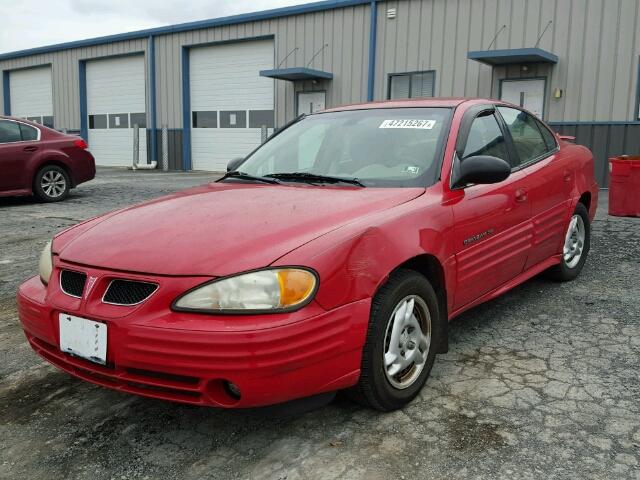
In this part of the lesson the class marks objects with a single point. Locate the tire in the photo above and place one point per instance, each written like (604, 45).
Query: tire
(571, 265)
(51, 184)
(377, 388)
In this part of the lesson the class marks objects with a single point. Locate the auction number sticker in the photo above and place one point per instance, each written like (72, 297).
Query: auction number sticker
(423, 124)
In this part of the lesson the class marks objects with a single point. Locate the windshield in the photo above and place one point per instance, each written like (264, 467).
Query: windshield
(391, 147)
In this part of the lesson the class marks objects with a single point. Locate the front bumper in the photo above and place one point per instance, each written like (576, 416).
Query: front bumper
(188, 358)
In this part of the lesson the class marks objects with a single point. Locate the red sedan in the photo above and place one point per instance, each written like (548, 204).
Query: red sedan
(36, 160)
(332, 257)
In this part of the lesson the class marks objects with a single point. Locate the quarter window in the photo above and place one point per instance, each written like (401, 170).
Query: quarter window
(485, 138)
(412, 85)
(9, 132)
(527, 138)
(28, 133)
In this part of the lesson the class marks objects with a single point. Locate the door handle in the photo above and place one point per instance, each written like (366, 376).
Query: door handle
(30, 149)
(521, 195)
(567, 175)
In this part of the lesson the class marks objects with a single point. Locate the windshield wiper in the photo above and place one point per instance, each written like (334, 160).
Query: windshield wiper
(246, 176)
(315, 177)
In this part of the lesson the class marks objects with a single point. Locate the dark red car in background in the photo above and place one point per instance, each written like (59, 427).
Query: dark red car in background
(40, 161)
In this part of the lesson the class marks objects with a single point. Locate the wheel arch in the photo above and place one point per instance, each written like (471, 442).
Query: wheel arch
(55, 162)
(430, 267)
(585, 199)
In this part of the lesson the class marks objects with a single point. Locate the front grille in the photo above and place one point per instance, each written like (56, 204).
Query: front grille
(72, 283)
(128, 292)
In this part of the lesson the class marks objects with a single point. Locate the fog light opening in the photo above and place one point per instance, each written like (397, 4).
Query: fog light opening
(233, 390)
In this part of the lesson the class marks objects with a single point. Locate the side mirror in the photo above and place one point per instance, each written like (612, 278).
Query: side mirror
(234, 164)
(480, 169)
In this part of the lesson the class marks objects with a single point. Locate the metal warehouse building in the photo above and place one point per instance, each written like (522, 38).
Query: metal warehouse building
(216, 83)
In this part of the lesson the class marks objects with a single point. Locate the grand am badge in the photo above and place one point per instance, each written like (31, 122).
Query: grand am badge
(478, 237)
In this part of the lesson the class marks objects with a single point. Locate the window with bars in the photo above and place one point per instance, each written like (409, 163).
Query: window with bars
(412, 85)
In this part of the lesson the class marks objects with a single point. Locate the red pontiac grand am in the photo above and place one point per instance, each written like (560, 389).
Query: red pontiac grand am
(36, 160)
(332, 257)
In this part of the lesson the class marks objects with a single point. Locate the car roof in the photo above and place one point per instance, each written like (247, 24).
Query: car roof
(448, 102)
(23, 120)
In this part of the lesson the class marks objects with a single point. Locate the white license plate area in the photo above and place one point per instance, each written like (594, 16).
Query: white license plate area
(83, 338)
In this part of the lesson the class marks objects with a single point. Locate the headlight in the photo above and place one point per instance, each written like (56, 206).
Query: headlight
(46, 264)
(280, 289)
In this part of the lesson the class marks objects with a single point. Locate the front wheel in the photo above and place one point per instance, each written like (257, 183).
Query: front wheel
(400, 347)
(577, 242)
(51, 184)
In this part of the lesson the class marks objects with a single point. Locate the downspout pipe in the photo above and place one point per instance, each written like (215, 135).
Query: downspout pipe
(152, 99)
(6, 95)
(373, 34)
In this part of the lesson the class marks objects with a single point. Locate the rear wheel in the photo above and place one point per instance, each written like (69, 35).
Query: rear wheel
(51, 184)
(400, 347)
(576, 246)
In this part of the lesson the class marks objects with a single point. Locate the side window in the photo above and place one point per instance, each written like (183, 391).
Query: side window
(9, 132)
(527, 138)
(485, 138)
(28, 133)
(549, 137)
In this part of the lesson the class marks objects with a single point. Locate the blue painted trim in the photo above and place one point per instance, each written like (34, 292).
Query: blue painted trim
(296, 73)
(373, 35)
(599, 122)
(637, 109)
(82, 81)
(186, 108)
(151, 52)
(183, 27)
(513, 55)
(6, 92)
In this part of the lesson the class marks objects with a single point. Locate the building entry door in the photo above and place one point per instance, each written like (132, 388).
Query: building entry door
(310, 102)
(528, 94)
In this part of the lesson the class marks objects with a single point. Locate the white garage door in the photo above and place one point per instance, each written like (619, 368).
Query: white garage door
(31, 95)
(115, 102)
(230, 101)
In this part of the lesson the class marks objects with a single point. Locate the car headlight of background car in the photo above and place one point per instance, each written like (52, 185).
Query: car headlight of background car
(276, 290)
(46, 264)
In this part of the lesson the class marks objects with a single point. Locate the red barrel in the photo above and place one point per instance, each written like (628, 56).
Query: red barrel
(624, 186)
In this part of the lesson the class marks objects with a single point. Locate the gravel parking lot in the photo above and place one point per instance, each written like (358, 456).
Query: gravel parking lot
(541, 383)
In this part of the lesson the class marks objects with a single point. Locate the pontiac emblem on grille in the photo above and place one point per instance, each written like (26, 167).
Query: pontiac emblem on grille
(91, 281)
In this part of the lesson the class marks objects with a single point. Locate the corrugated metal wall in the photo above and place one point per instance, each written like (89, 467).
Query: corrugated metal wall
(597, 42)
(65, 79)
(604, 141)
(344, 30)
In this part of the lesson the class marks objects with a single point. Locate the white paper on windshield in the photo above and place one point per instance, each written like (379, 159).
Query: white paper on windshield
(423, 124)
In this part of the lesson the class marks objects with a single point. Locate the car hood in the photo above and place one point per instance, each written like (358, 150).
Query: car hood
(221, 228)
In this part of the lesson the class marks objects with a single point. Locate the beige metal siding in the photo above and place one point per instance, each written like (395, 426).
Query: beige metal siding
(65, 75)
(597, 42)
(345, 30)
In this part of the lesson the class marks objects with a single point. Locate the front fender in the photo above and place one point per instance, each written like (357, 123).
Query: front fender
(354, 261)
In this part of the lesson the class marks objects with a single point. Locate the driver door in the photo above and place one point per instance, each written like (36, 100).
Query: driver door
(492, 223)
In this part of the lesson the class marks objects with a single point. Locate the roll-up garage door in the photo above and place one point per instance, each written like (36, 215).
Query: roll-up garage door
(115, 103)
(31, 95)
(230, 101)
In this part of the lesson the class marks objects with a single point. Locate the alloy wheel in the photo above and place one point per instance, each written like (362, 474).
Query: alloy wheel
(574, 241)
(407, 341)
(53, 183)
